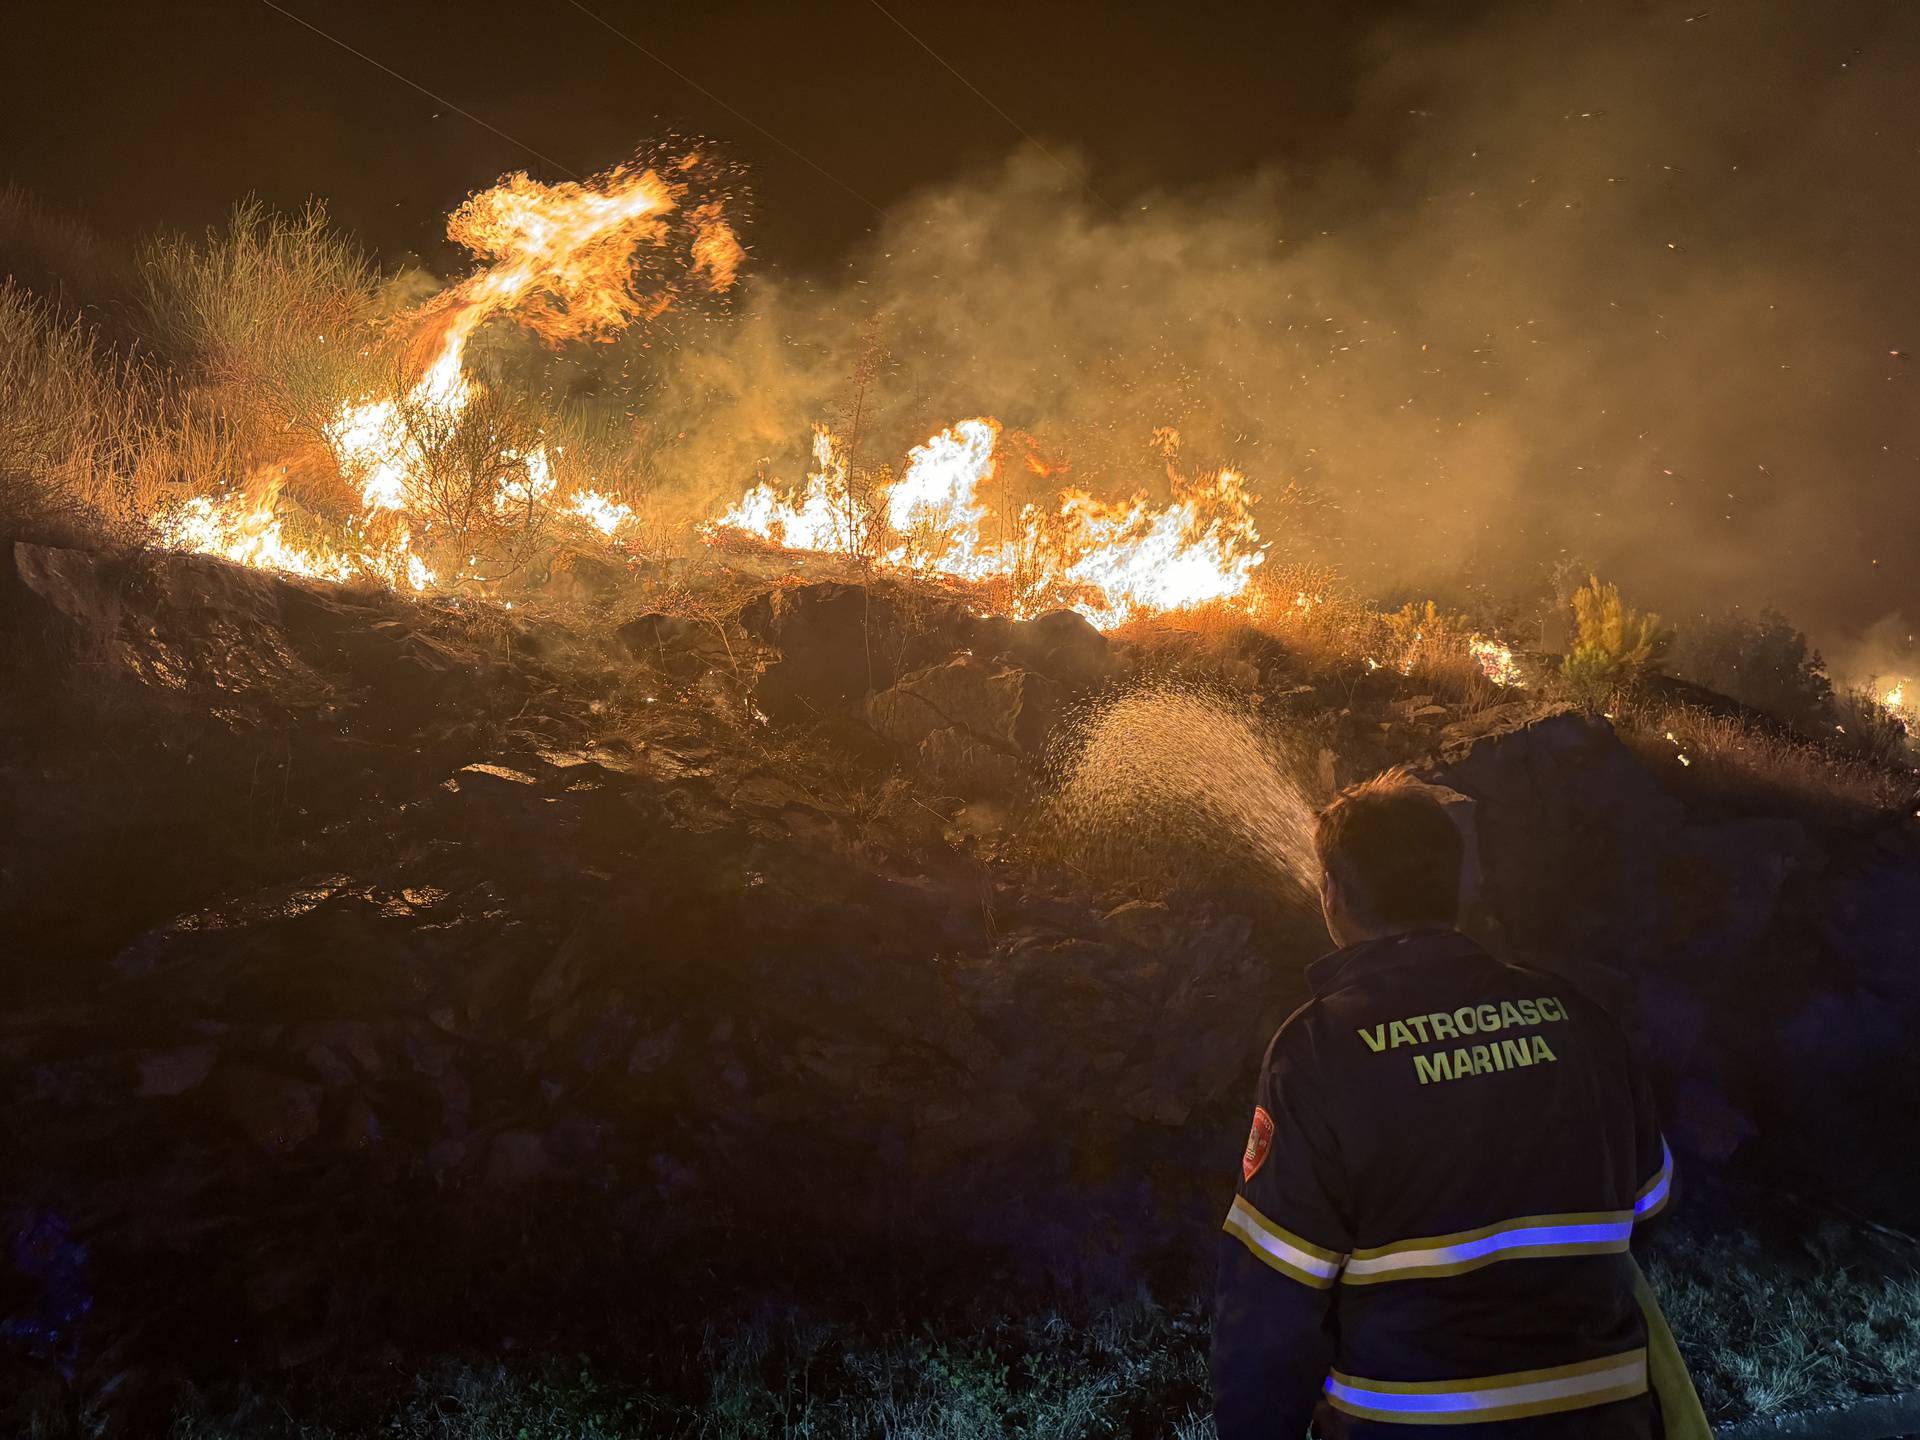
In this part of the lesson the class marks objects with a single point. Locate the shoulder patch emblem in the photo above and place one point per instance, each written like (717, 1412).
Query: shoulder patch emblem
(1259, 1141)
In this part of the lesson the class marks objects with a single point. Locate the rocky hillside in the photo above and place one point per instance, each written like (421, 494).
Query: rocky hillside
(348, 938)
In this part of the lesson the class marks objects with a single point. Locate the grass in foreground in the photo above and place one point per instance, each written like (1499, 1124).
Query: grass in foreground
(1763, 1333)
(1134, 1372)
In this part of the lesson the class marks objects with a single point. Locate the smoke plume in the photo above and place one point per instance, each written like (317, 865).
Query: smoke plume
(1624, 283)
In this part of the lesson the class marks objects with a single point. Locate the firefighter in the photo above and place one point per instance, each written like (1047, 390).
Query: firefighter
(1448, 1160)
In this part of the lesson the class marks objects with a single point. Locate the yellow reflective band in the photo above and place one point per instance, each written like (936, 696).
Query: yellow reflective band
(1531, 1237)
(1283, 1250)
(1492, 1397)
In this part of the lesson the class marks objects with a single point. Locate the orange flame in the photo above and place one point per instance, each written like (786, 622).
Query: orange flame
(562, 261)
(1109, 561)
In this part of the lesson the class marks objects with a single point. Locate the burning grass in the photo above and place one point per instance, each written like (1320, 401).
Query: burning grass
(963, 510)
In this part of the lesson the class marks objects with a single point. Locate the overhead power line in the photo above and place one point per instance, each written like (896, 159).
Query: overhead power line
(689, 81)
(431, 95)
(987, 100)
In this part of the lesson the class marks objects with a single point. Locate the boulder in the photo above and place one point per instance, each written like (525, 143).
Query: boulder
(1004, 706)
(174, 1072)
(1570, 831)
(967, 765)
(671, 642)
(276, 1112)
(826, 637)
(1064, 646)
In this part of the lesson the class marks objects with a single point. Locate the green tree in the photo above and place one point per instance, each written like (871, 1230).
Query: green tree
(1614, 645)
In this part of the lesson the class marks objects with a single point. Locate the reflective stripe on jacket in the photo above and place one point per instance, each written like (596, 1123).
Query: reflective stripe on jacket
(1448, 1159)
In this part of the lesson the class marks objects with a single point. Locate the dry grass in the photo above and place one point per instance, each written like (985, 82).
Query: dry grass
(1729, 757)
(88, 439)
(57, 256)
(261, 329)
(1307, 625)
(275, 320)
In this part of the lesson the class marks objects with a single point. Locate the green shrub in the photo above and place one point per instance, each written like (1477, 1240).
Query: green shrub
(1614, 645)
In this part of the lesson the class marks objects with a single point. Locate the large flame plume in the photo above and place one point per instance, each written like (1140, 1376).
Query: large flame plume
(561, 261)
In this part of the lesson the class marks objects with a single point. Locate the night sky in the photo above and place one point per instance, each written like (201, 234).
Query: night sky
(142, 115)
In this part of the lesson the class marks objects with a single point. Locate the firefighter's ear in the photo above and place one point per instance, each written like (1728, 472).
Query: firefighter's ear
(1336, 909)
(1330, 904)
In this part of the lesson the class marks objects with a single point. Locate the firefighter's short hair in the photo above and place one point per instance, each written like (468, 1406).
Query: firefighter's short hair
(1393, 850)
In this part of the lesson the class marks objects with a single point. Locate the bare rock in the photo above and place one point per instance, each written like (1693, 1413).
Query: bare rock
(75, 600)
(517, 1157)
(277, 1112)
(1005, 706)
(174, 1072)
(826, 636)
(1064, 646)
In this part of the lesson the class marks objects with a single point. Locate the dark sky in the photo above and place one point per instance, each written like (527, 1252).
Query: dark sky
(137, 115)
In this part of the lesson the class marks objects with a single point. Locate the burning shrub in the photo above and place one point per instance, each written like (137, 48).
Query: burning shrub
(1614, 645)
(1867, 724)
(1312, 612)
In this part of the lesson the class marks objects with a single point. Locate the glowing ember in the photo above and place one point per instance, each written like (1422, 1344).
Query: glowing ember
(1109, 561)
(1496, 662)
(1904, 712)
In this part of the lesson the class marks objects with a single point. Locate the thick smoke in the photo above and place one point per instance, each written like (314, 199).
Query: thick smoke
(1627, 284)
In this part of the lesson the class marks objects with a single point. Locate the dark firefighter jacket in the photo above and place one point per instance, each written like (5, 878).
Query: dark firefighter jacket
(1447, 1161)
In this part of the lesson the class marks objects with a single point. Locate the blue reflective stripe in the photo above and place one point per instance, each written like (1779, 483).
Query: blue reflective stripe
(1493, 1397)
(1406, 1404)
(1655, 1193)
(1454, 1254)
(1529, 1237)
